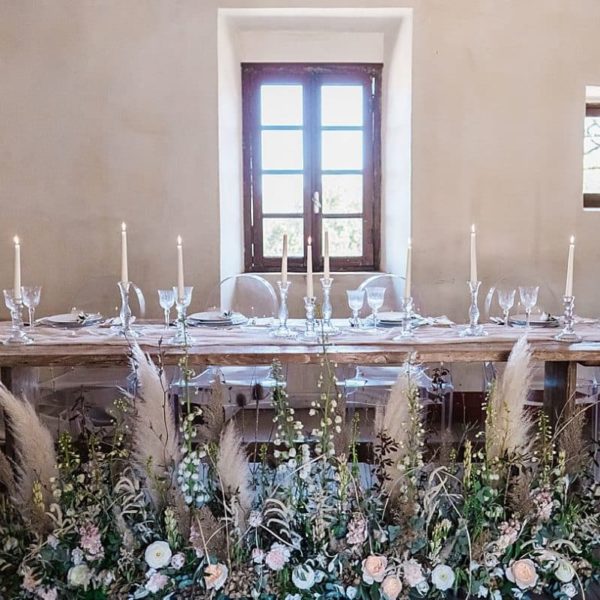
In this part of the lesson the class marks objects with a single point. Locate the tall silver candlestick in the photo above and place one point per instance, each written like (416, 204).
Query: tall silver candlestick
(283, 331)
(327, 327)
(125, 312)
(310, 331)
(568, 333)
(474, 329)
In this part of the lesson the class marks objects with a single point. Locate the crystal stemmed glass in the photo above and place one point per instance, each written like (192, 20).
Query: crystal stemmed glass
(31, 299)
(167, 301)
(529, 296)
(506, 300)
(375, 301)
(356, 299)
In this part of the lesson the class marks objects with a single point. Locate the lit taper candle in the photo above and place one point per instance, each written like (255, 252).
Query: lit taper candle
(17, 279)
(408, 284)
(124, 261)
(473, 254)
(569, 283)
(284, 260)
(180, 282)
(326, 273)
(309, 270)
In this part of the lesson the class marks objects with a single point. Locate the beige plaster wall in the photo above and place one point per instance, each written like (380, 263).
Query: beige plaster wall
(108, 112)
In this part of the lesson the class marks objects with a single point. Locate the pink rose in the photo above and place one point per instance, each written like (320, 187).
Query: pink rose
(277, 557)
(523, 573)
(156, 582)
(391, 587)
(373, 568)
(215, 576)
(413, 573)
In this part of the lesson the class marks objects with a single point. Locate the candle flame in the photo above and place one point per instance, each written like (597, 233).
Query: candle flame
(473, 228)
(309, 240)
(572, 239)
(123, 226)
(16, 240)
(179, 240)
(410, 242)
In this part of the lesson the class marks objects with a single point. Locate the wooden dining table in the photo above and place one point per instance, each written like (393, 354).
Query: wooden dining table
(104, 347)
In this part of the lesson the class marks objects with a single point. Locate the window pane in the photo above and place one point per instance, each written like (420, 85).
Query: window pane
(341, 150)
(273, 230)
(342, 105)
(591, 156)
(281, 104)
(282, 193)
(345, 236)
(282, 150)
(342, 193)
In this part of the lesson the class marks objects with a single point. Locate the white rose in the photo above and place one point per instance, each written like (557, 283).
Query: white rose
(177, 561)
(303, 577)
(158, 555)
(79, 576)
(442, 577)
(413, 573)
(564, 571)
(569, 590)
(351, 592)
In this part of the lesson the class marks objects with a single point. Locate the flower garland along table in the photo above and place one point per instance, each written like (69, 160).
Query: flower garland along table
(153, 510)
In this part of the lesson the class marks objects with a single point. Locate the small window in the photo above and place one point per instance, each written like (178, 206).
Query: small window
(312, 147)
(591, 149)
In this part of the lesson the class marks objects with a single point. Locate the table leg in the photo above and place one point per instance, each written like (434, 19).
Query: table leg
(9, 441)
(560, 382)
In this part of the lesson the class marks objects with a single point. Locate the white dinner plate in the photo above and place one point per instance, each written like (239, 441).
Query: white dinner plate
(72, 320)
(215, 319)
(535, 321)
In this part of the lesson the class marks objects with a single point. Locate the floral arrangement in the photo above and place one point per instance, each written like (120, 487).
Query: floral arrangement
(178, 508)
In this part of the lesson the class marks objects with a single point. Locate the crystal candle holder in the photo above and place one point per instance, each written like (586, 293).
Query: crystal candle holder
(182, 337)
(474, 329)
(15, 305)
(282, 330)
(327, 327)
(310, 329)
(568, 332)
(407, 307)
(125, 312)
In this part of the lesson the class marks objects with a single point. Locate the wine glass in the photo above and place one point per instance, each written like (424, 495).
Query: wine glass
(31, 299)
(356, 299)
(375, 301)
(529, 296)
(506, 300)
(167, 300)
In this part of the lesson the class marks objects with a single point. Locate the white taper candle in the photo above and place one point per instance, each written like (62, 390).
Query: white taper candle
(284, 260)
(180, 282)
(569, 282)
(473, 254)
(17, 274)
(309, 270)
(124, 261)
(408, 284)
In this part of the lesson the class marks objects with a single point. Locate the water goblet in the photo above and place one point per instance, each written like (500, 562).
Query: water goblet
(167, 301)
(356, 299)
(375, 301)
(506, 300)
(31, 299)
(529, 297)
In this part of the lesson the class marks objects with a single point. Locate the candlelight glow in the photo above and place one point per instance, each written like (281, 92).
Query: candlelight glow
(123, 226)
(572, 239)
(179, 240)
(473, 228)
(410, 242)
(16, 240)
(309, 240)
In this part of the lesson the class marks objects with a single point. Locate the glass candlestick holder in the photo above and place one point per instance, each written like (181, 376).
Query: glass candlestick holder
(125, 312)
(14, 304)
(310, 329)
(407, 307)
(474, 329)
(182, 336)
(327, 326)
(282, 330)
(568, 333)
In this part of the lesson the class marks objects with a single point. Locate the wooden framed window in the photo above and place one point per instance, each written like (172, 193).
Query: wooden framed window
(312, 148)
(591, 156)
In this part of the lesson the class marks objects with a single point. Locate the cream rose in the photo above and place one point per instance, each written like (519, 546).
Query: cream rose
(442, 577)
(523, 573)
(158, 555)
(277, 557)
(373, 568)
(391, 587)
(413, 573)
(564, 571)
(79, 576)
(215, 576)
